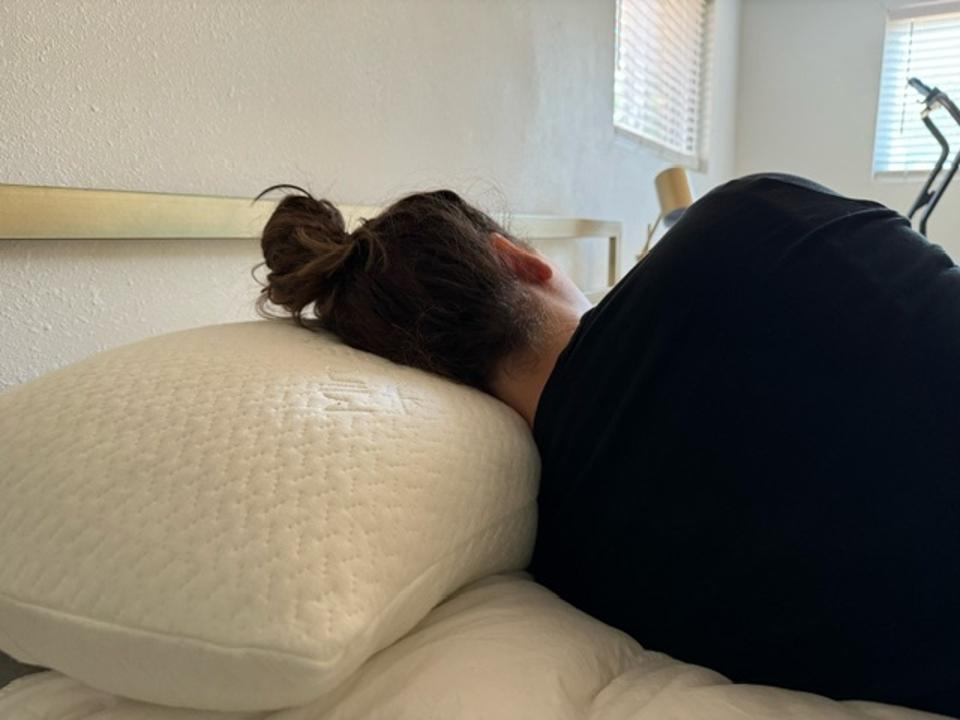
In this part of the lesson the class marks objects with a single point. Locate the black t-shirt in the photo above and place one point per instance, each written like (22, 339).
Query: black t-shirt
(751, 449)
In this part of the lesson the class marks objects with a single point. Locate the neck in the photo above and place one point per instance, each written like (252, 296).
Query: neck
(520, 379)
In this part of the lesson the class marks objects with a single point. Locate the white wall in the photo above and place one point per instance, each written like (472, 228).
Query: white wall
(359, 100)
(809, 82)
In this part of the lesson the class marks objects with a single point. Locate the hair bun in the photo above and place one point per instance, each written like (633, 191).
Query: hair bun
(307, 249)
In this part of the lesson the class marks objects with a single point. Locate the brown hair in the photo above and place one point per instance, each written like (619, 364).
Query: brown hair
(420, 284)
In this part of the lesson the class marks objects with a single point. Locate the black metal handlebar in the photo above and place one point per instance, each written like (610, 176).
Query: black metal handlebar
(934, 98)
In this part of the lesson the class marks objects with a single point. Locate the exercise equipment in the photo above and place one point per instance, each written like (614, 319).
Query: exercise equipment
(929, 196)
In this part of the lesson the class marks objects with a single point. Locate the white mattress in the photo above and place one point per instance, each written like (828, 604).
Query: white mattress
(503, 648)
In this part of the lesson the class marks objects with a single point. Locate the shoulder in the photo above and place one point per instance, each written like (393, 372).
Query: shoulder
(782, 194)
(773, 180)
(758, 213)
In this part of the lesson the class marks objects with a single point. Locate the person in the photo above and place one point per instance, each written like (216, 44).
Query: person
(750, 446)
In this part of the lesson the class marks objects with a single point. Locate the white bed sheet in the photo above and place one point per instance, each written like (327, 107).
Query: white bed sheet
(503, 648)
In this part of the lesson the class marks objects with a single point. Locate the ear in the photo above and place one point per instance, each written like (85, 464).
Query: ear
(526, 265)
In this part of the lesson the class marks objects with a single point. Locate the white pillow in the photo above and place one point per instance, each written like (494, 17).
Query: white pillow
(236, 517)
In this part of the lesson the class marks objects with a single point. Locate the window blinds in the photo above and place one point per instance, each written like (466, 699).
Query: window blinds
(923, 42)
(658, 73)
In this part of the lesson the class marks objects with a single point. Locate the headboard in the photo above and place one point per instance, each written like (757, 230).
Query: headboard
(30, 212)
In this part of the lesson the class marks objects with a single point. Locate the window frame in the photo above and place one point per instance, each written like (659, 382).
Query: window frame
(699, 161)
(917, 10)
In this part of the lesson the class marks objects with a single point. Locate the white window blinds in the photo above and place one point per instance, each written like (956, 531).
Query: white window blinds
(923, 42)
(659, 71)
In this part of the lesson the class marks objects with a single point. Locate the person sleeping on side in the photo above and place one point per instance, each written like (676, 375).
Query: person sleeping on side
(750, 447)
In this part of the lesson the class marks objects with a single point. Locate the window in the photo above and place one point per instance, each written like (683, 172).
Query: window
(922, 42)
(659, 74)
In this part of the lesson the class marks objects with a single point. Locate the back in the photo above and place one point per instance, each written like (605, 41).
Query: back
(751, 448)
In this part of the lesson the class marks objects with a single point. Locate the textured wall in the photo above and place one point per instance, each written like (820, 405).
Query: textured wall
(817, 117)
(359, 100)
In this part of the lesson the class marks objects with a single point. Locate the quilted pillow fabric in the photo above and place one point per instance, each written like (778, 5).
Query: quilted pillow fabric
(236, 517)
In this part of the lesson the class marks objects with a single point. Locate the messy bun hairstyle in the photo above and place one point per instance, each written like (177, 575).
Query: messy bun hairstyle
(419, 284)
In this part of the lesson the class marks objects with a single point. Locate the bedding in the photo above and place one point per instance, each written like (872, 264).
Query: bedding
(502, 648)
(10, 669)
(237, 517)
